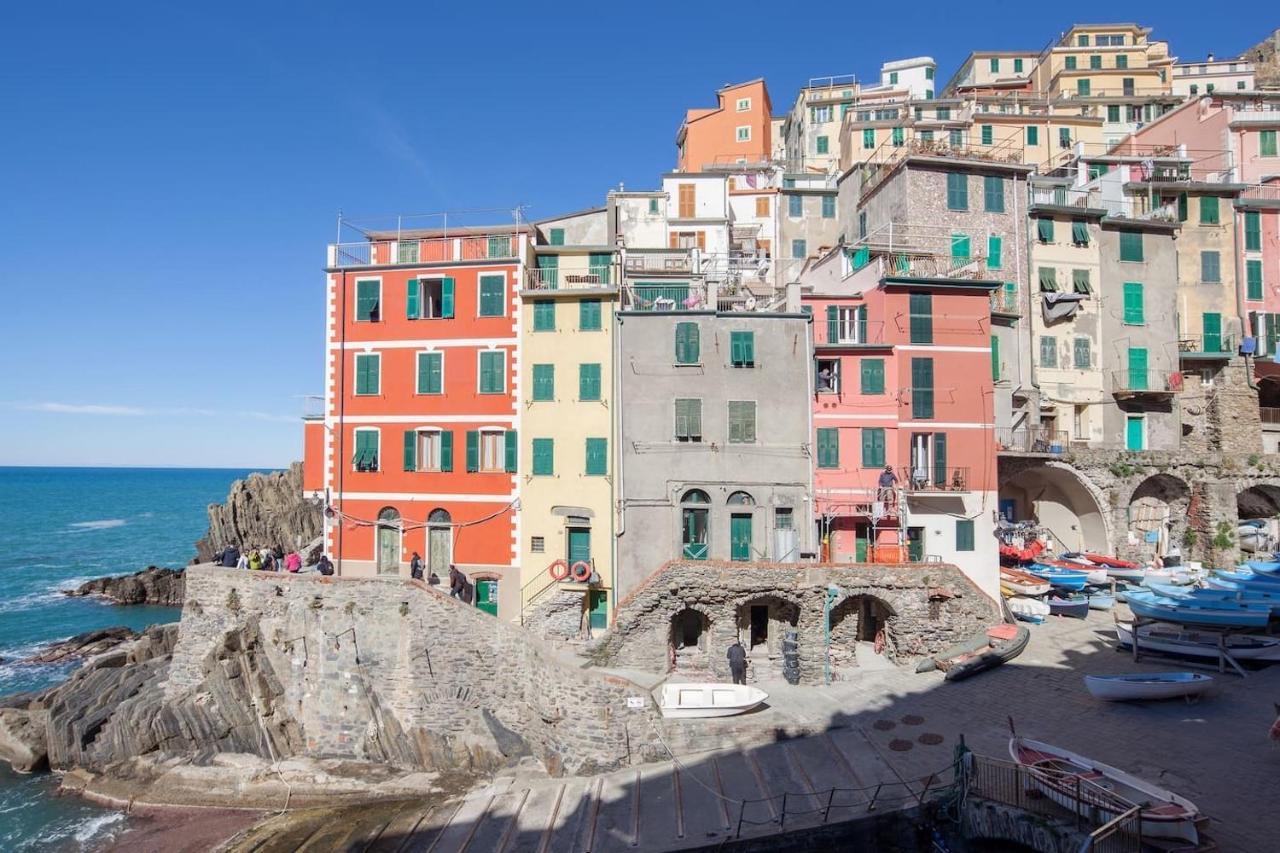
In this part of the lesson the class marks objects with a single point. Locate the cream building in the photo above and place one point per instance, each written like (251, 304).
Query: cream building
(1212, 75)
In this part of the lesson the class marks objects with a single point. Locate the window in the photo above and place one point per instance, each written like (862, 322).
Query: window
(686, 343)
(544, 457)
(955, 138)
(873, 447)
(783, 518)
(366, 455)
(799, 249)
(1044, 229)
(653, 206)
(687, 206)
(1131, 246)
(1079, 232)
(1195, 90)
(430, 373)
(1095, 61)
(1048, 351)
(957, 191)
(428, 450)
(544, 315)
(1064, 137)
(688, 420)
(1208, 89)
(823, 145)
(544, 383)
(744, 105)
(1126, 86)
(959, 247)
(862, 224)
(368, 301)
(493, 372)
(1033, 136)
(1048, 280)
(820, 115)
(1252, 231)
(847, 324)
(964, 534)
(921, 388)
(588, 382)
(742, 422)
(897, 137)
(994, 251)
(988, 134)
(827, 376)
(993, 193)
(920, 317)
(493, 293)
(491, 450)
(828, 448)
(869, 138)
(995, 64)
(429, 299)
(1113, 113)
(368, 370)
(1081, 354)
(1253, 280)
(1210, 268)
(1267, 143)
(828, 207)
(589, 315)
(1017, 66)
(1080, 282)
(762, 206)
(795, 206)
(1134, 311)
(1070, 63)
(744, 133)
(556, 237)
(742, 349)
(1082, 87)
(1209, 210)
(1122, 61)
(872, 376)
(928, 72)
(1081, 41)
(893, 78)
(995, 359)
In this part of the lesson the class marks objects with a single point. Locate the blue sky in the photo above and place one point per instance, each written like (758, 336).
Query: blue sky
(169, 174)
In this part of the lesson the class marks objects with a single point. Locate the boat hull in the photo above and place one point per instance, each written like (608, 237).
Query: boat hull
(1151, 606)
(707, 699)
(1127, 688)
(1076, 608)
(999, 652)
(1196, 644)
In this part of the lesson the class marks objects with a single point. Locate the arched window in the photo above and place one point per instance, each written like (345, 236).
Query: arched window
(741, 499)
(388, 541)
(694, 524)
(439, 516)
(695, 496)
(389, 514)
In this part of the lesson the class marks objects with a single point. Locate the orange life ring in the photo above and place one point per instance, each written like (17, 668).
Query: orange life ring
(586, 571)
(559, 570)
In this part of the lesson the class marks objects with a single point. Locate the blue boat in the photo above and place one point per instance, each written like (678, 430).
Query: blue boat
(1195, 596)
(1099, 600)
(1250, 579)
(1185, 611)
(1074, 605)
(1062, 578)
(1266, 567)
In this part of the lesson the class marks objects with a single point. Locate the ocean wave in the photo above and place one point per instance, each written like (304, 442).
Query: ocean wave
(91, 827)
(100, 524)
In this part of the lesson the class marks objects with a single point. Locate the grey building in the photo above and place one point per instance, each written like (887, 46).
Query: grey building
(714, 446)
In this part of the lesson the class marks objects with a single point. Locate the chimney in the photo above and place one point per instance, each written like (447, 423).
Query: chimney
(1210, 57)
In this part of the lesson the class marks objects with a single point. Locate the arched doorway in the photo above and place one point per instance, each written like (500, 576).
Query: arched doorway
(741, 534)
(439, 542)
(1061, 502)
(1158, 513)
(1258, 508)
(388, 554)
(689, 640)
(762, 624)
(695, 510)
(859, 624)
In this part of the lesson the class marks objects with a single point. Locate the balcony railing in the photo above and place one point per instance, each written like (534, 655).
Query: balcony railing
(1255, 117)
(1006, 302)
(1270, 415)
(1224, 345)
(666, 297)
(1133, 382)
(674, 261)
(934, 478)
(1061, 196)
(543, 278)
(426, 250)
(1261, 192)
(1032, 439)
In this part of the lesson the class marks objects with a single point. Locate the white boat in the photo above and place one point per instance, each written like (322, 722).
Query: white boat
(1028, 609)
(1023, 583)
(1106, 792)
(1174, 640)
(1147, 685)
(707, 699)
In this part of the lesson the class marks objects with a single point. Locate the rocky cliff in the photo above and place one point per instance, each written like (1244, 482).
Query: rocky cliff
(152, 585)
(1265, 57)
(262, 510)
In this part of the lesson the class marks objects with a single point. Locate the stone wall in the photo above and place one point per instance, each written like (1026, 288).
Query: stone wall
(930, 606)
(393, 671)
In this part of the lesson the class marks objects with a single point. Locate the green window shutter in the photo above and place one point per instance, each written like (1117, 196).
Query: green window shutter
(1044, 229)
(1267, 143)
(492, 290)
(1210, 267)
(589, 315)
(898, 137)
(556, 237)
(955, 138)
(1182, 207)
(860, 314)
(473, 450)
(993, 193)
(446, 298)
(742, 422)
(1048, 279)
(1209, 210)
(1064, 137)
(1070, 61)
(1033, 136)
(1253, 280)
(366, 455)
(598, 264)
(988, 134)
(1079, 232)
(995, 359)
(549, 271)
(512, 451)
(822, 145)
(588, 382)
(413, 300)
(368, 368)
(828, 207)
(1137, 369)
(597, 457)
(368, 296)
(869, 138)
(940, 458)
(742, 349)
(492, 370)
(446, 450)
(1082, 355)
(957, 191)
(828, 448)
(1082, 87)
(995, 63)
(1048, 351)
(799, 248)
(872, 376)
(687, 343)
(1017, 66)
(833, 324)
(1134, 311)
(544, 457)
(795, 206)
(920, 309)
(1113, 113)
(430, 373)
(964, 534)
(1211, 327)
(411, 450)
(544, 382)
(994, 246)
(1131, 246)
(921, 388)
(959, 247)
(1080, 281)
(1252, 231)
(544, 315)
(1095, 61)
(872, 447)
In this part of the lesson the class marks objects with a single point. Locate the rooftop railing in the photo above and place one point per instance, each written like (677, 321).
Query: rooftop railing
(1063, 197)
(1256, 117)
(472, 247)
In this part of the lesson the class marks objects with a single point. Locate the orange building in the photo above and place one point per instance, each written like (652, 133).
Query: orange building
(737, 130)
(416, 449)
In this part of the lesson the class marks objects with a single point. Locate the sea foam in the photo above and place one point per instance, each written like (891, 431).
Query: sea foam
(100, 524)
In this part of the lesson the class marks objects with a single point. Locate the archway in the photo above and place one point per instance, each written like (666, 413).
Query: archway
(690, 640)
(388, 541)
(859, 624)
(439, 542)
(1269, 411)
(762, 623)
(1258, 508)
(1158, 513)
(1061, 502)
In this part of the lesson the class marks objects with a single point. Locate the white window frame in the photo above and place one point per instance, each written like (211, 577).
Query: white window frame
(501, 438)
(479, 354)
(416, 357)
(847, 324)
(355, 442)
(835, 374)
(355, 368)
(422, 297)
(418, 454)
(743, 105)
(479, 278)
(742, 133)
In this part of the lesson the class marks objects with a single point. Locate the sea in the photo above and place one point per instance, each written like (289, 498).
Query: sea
(60, 527)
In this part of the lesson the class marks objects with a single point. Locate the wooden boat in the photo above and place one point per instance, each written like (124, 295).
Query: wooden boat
(1224, 614)
(1093, 574)
(1188, 642)
(1023, 583)
(1075, 606)
(988, 650)
(1134, 575)
(709, 699)
(1059, 577)
(1101, 600)
(1028, 609)
(1147, 685)
(1106, 792)
(1110, 562)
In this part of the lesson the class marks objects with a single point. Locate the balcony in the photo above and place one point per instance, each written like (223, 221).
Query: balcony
(1127, 384)
(1270, 416)
(595, 277)
(1206, 347)
(661, 262)
(1007, 302)
(666, 297)
(1032, 440)
(426, 250)
(1261, 192)
(934, 478)
(1061, 197)
(1256, 117)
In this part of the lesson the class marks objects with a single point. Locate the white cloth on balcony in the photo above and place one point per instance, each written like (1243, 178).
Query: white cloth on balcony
(1060, 306)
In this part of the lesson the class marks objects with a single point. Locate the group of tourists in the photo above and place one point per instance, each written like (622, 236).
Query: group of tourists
(269, 560)
(459, 586)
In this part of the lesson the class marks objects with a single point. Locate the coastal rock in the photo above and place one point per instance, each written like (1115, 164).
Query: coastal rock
(85, 645)
(262, 510)
(22, 740)
(152, 585)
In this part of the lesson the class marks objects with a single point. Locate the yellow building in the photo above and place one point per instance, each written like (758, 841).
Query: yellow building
(566, 425)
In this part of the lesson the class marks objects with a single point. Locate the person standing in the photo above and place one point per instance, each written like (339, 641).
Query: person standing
(457, 581)
(415, 566)
(738, 662)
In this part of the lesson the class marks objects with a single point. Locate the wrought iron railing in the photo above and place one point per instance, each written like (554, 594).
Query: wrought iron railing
(410, 250)
(1208, 344)
(934, 478)
(1133, 381)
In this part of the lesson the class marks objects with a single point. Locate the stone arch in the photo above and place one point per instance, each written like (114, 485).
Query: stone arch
(1065, 503)
(1259, 503)
(760, 622)
(1158, 506)
(689, 640)
(855, 623)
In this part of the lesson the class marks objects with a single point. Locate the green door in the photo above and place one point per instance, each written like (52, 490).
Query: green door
(1137, 369)
(740, 537)
(915, 544)
(1133, 438)
(598, 264)
(1212, 326)
(599, 609)
(579, 544)
(549, 271)
(487, 596)
(861, 535)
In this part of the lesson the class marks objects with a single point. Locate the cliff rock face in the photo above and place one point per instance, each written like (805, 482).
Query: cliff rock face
(1265, 57)
(262, 510)
(152, 585)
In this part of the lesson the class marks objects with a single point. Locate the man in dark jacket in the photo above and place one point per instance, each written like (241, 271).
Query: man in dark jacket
(457, 581)
(230, 556)
(325, 566)
(415, 567)
(738, 662)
